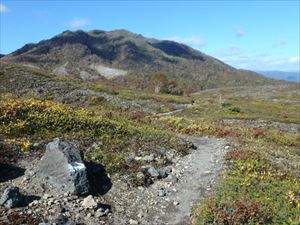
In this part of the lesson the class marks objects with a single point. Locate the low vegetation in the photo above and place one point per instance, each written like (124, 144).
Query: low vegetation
(247, 108)
(260, 184)
(23, 120)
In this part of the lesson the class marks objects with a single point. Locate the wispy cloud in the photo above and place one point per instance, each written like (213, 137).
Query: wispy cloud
(193, 41)
(279, 44)
(238, 31)
(235, 56)
(3, 8)
(230, 51)
(79, 22)
(294, 59)
(263, 62)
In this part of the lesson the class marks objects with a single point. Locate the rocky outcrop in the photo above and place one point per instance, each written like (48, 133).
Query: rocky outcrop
(11, 198)
(63, 165)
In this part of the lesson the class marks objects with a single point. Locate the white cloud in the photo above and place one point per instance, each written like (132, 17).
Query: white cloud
(3, 8)
(239, 31)
(295, 59)
(234, 56)
(79, 22)
(254, 62)
(193, 41)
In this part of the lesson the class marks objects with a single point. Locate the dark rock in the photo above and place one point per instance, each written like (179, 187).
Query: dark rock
(63, 165)
(153, 172)
(168, 170)
(61, 220)
(162, 173)
(11, 198)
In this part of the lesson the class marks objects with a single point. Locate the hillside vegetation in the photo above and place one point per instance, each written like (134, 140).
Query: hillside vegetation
(130, 59)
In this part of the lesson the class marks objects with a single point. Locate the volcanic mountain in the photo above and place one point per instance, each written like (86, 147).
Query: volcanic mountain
(124, 57)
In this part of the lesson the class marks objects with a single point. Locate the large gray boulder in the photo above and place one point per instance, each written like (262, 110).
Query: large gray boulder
(11, 198)
(63, 165)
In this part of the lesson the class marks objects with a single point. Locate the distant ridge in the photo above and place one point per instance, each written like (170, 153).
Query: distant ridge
(293, 76)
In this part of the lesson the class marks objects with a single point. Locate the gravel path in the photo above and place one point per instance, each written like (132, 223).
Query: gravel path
(166, 202)
(201, 167)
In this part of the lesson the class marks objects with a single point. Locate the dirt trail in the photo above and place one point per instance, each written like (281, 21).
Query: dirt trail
(175, 111)
(196, 173)
(201, 167)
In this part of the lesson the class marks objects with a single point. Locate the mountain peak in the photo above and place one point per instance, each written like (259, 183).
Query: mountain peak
(99, 54)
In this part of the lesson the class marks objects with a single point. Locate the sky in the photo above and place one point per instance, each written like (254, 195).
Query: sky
(255, 35)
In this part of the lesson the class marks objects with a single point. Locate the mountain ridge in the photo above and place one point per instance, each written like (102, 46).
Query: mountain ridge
(124, 56)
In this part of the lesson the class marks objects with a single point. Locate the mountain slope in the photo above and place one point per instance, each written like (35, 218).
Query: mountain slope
(126, 56)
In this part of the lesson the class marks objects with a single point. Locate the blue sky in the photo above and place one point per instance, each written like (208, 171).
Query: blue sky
(257, 35)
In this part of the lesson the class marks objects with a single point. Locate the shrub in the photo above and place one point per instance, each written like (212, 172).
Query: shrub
(235, 109)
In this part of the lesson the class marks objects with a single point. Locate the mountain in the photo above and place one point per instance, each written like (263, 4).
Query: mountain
(293, 76)
(129, 58)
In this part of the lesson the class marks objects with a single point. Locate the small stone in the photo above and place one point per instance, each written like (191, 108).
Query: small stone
(161, 192)
(133, 222)
(89, 202)
(162, 173)
(61, 219)
(207, 172)
(140, 175)
(175, 203)
(35, 145)
(168, 170)
(148, 158)
(99, 214)
(130, 158)
(153, 172)
(227, 147)
(62, 210)
(172, 178)
(25, 179)
(106, 211)
(46, 196)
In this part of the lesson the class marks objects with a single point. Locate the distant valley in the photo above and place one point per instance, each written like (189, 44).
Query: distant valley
(293, 76)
